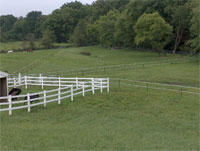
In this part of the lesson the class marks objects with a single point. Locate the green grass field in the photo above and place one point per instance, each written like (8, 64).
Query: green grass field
(127, 118)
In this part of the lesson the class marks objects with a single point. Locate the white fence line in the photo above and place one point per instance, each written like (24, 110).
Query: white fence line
(67, 88)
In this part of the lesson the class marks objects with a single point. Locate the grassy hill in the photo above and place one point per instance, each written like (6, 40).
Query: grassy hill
(127, 118)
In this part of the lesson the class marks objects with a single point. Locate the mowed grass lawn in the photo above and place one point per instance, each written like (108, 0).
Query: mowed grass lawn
(127, 118)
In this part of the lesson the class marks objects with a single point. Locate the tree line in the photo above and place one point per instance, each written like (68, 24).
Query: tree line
(153, 24)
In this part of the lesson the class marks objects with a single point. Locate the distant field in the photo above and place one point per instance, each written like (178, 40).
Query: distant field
(19, 45)
(11, 45)
(127, 118)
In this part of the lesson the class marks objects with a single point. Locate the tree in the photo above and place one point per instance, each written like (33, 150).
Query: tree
(6, 24)
(80, 33)
(194, 41)
(19, 30)
(93, 34)
(181, 18)
(152, 30)
(106, 28)
(63, 21)
(102, 7)
(31, 40)
(129, 17)
(31, 20)
(40, 26)
(47, 39)
(122, 35)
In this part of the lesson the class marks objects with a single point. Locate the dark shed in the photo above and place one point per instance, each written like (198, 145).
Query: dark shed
(3, 84)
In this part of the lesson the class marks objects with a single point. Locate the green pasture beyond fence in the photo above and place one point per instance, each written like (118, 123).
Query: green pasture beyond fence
(84, 71)
(156, 86)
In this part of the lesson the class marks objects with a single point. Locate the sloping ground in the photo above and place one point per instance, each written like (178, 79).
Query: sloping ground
(125, 119)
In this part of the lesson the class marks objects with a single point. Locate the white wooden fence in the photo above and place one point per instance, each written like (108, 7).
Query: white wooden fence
(66, 88)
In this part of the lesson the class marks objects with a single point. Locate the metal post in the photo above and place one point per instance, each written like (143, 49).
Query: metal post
(147, 86)
(28, 99)
(10, 104)
(119, 82)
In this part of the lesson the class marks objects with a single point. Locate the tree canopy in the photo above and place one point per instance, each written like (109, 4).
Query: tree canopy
(153, 31)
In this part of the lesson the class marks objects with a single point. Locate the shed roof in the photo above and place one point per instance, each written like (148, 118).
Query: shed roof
(3, 74)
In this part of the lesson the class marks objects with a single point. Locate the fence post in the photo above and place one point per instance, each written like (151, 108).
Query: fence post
(76, 82)
(119, 82)
(45, 104)
(147, 86)
(59, 80)
(72, 95)
(19, 78)
(181, 91)
(101, 86)
(28, 99)
(108, 83)
(92, 85)
(41, 81)
(83, 88)
(40, 78)
(59, 95)
(14, 83)
(10, 104)
(25, 78)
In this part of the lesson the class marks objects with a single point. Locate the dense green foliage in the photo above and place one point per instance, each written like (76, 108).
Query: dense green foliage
(195, 26)
(47, 39)
(109, 23)
(152, 30)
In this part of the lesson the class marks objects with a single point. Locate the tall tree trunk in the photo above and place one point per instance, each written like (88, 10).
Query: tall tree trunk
(179, 35)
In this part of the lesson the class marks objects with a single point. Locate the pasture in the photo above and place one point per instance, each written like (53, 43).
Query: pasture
(16, 45)
(127, 118)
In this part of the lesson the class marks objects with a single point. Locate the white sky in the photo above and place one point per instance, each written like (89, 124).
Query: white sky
(22, 7)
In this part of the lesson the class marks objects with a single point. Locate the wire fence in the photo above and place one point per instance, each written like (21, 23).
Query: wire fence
(157, 86)
(33, 64)
(145, 65)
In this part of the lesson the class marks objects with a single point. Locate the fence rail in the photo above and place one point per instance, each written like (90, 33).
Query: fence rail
(157, 86)
(67, 88)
